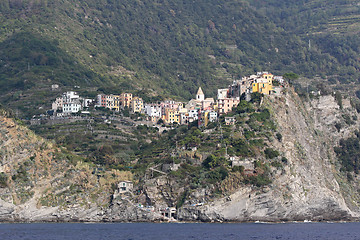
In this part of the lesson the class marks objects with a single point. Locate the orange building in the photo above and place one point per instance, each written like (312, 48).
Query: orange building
(125, 99)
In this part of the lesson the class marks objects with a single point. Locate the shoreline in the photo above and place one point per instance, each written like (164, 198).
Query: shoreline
(182, 222)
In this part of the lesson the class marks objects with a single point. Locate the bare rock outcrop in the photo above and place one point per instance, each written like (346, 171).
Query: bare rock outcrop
(308, 189)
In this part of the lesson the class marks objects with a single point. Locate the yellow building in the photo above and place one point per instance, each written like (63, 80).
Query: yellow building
(116, 105)
(267, 76)
(137, 105)
(171, 116)
(263, 83)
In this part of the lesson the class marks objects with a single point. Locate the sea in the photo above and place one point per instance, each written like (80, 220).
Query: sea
(174, 231)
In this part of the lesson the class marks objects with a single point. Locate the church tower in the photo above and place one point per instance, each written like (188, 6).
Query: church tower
(200, 95)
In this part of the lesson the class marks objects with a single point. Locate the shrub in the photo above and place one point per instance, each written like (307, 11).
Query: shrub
(244, 106)
(217, 175)
(338, 98)
(249, 134)
(284, 160)
(3, 179)
(211, 162)
(256, 97)
(338, 126)
(349, 154)
(182, 199)
(258, 180)
(271, 153)
(276, 164)
(238, 169)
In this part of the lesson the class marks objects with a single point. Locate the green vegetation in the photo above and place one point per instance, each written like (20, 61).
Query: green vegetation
(3, 180)
(271, 153)
(172, 47)
(348, 153)
(203, 154)
(291, 76)
(338, 98)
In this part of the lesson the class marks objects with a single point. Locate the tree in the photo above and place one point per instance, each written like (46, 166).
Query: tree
(291, 76)
(244, 106)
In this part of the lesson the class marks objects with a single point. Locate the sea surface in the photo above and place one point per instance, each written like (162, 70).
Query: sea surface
(174, 231)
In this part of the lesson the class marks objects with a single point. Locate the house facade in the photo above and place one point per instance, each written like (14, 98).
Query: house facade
(136, 105)
(125, 99)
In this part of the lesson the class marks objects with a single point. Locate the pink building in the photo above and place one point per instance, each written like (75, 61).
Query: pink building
(226, 105)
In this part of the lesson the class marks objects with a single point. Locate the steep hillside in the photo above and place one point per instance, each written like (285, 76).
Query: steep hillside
(40, 182)
(157, 47)
(284, 168)
(329, 27)
(307, 186)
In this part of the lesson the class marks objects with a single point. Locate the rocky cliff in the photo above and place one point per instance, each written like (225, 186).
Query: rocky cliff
(310, 186)
(42, 182)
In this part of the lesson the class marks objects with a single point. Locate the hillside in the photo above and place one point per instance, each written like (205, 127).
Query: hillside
(166, 48)
(330, 28)
(42, 182)
(284, 168)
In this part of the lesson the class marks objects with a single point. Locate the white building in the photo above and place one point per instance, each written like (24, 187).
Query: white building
(70, 96)
(72, 107)
(184, 117)
(222, 93)
(87, 102)
(54, 86)
(153, 110)
(193, 114)
(125, 186)
(280, 79)
(69, 102)
(213, 115)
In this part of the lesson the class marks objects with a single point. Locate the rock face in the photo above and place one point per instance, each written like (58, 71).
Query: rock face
(309, 187)
(40, 182)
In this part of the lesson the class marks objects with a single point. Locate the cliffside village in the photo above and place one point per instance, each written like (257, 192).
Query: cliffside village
(201, 109)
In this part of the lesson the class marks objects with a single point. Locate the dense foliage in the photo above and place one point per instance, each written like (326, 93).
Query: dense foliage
(348, 153)
(169, 46)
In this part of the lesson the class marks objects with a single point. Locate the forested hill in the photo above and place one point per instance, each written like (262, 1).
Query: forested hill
(331, 28)
(168, 46)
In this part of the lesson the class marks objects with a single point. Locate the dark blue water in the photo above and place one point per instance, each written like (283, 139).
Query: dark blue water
(244, 231)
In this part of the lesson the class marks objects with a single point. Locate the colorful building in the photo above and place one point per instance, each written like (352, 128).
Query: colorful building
(100, 100)
(171, 116)
(226, 105)
(209, 116)
(263, 84)
(125, 99)
(136, 105)
(116, 104)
